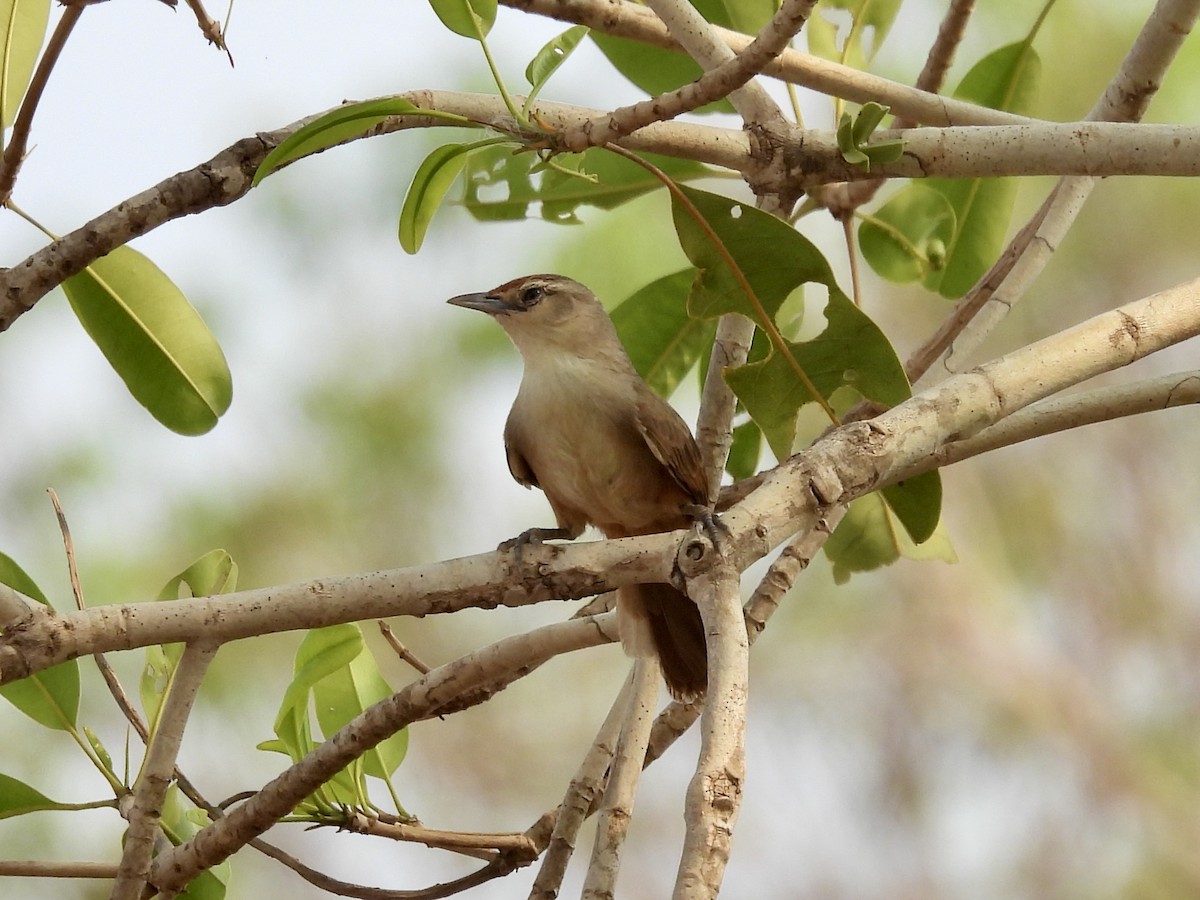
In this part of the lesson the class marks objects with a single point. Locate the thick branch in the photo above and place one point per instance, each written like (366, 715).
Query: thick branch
(715, 791)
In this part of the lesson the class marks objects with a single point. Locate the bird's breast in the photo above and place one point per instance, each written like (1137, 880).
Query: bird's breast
(576, 425)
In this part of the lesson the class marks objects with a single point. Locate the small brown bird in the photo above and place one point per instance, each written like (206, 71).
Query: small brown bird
(605, 449)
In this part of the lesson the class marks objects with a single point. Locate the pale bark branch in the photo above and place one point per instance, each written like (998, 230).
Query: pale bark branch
(714, 84)
(1075, 411)
(151, 789)
(616, 809)
(630, 20)
(1098, 149)
(715, 791)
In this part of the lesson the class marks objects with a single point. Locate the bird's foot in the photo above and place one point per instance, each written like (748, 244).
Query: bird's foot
(710, 523)
(531, 536)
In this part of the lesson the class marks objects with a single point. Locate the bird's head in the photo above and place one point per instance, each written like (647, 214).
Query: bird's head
(548, 313)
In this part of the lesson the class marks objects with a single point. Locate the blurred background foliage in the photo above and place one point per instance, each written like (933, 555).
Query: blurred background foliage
(1025, 723)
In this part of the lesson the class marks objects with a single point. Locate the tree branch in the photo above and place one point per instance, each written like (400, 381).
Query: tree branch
(616, 810)
(712, 85)
(416, 701)
(621, 18)
(715, 791)
(1002, 287)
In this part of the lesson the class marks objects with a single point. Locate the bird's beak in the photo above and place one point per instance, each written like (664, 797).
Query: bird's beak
(482, 302)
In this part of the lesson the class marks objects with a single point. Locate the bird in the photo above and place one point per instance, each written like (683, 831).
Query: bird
(606, 451)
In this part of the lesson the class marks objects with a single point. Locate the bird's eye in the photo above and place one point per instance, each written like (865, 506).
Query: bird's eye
(531, 295)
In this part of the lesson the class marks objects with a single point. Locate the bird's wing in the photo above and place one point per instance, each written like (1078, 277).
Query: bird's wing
(518, 465)
(671, 442)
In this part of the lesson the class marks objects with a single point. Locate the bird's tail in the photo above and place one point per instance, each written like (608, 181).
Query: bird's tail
(657, 620)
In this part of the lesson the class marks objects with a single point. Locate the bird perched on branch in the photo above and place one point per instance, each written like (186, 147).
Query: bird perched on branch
(605, 449)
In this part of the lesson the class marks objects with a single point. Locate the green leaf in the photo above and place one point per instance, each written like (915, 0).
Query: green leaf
(502, 186)
(662, 340)
(746, 16)
(850, 353)
(49, 697)
(869, 537)
(1005, 79)
(854, 135)
(906, 238)
(213, 573)
(154, 339)
(17, 579)
(341, 125)
(427, 191)
(346, 693)
(332, 669)
(469, 18)
(547, 60)
(776, 260)
(18, 798)
(745, 451)
(22, 32)
(322, 652)
(917, 502)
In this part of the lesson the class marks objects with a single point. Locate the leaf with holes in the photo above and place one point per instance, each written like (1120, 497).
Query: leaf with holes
(547, 60)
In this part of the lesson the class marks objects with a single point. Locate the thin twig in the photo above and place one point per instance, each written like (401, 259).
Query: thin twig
(14, 153)
(400, 650)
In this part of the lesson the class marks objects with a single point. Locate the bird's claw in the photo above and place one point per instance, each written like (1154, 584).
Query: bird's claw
(710, 523)
(530, 536)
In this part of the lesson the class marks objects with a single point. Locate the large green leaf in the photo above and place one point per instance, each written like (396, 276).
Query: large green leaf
(662, 340)
(1004, 79)
(849, 353)
(504, 185)
(49, 697)
(342, 124)
(154, 339)
(469, 18)
(22, 31)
